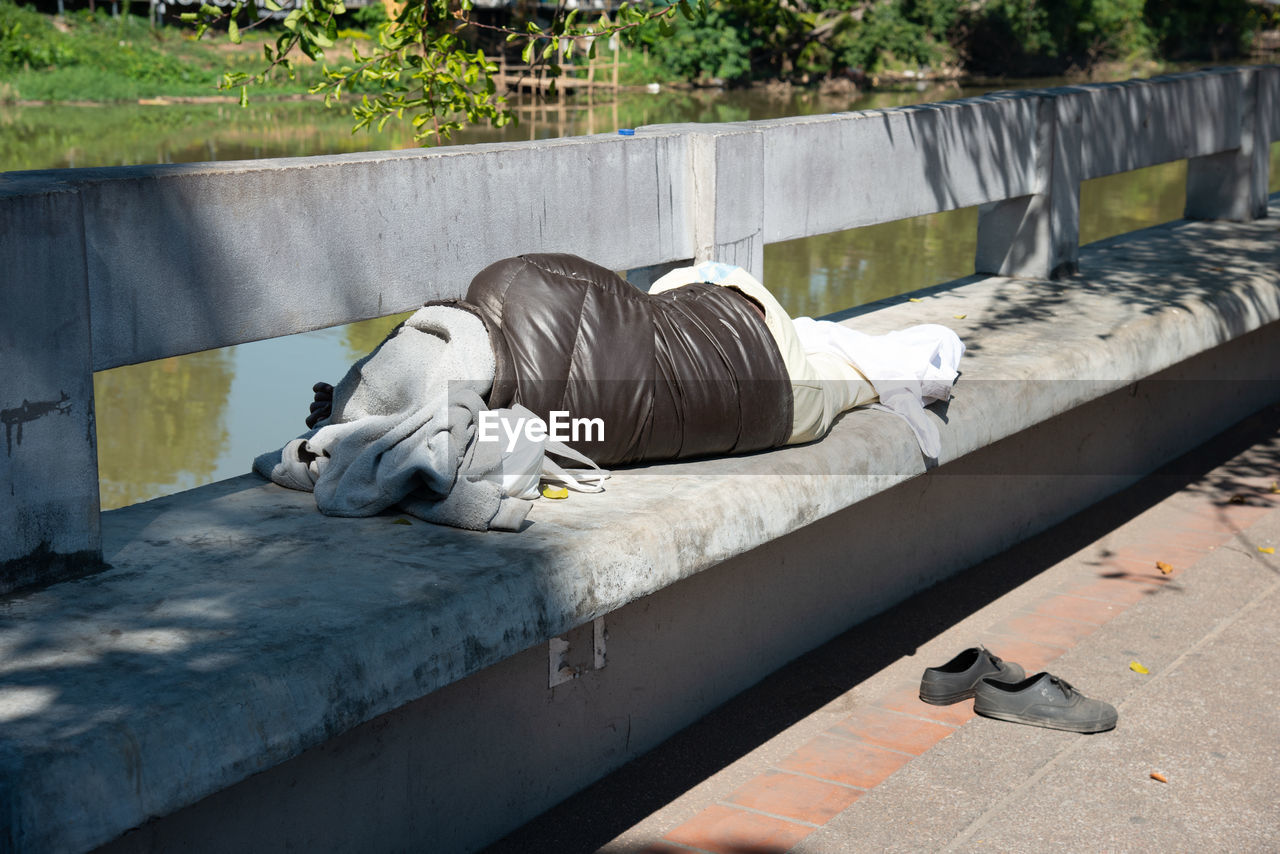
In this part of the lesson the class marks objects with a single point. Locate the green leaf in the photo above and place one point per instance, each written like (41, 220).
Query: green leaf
(210, 11)
(188, 17)
(244, 96)
(527, 54)
(272, 5)
(233, 32)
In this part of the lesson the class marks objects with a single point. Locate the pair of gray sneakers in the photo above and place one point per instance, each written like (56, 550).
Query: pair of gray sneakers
(1002, 690)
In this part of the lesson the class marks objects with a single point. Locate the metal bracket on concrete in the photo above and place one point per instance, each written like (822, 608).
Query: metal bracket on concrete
(568, 656)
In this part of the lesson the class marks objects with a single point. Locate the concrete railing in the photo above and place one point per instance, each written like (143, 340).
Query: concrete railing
(109, 267)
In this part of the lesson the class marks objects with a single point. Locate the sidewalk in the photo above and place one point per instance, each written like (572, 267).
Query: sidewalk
(837, 755)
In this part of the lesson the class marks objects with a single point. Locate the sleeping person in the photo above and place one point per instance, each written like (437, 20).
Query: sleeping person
(706, 363)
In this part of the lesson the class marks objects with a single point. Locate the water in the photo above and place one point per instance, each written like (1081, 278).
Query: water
(173, 424)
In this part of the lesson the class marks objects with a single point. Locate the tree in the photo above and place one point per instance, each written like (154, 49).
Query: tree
(427, 64)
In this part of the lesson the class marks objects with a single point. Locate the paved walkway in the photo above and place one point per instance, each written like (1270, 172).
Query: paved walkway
(831, 759)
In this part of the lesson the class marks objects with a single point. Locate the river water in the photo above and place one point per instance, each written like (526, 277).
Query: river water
(176, 423)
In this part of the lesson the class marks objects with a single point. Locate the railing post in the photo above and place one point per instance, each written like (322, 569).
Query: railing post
(1038, 236)
(49, 527)
(1232, 185)
(726, 168)
(1268, 115)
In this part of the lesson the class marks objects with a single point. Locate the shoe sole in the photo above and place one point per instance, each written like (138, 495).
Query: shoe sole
(1068, 726)
(946, 699)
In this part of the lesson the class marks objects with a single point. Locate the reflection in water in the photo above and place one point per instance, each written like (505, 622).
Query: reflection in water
(161, 425)
(1132, 200)
(360, 338)
(169, 425)
(820, 275)
(60, 136)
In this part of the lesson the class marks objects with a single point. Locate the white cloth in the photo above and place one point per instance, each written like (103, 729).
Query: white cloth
(909, 368)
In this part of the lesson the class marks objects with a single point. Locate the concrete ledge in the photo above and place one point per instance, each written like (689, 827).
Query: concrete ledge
(238, 628)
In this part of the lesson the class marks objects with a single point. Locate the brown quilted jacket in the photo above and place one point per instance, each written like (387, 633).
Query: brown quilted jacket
(685, 373)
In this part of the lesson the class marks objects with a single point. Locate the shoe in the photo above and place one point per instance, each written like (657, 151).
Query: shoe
(1043, 700)
(958, 678)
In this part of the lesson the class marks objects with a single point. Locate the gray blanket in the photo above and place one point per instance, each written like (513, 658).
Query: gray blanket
(402, 432)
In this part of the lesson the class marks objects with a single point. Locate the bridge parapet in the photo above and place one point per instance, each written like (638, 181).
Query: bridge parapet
(109, 267)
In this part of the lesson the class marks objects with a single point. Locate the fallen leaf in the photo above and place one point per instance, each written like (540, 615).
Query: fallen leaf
(914, 299)
(549, 491)
(959, 316)
(1156, 775)
(1239, 498)
(1275, 488)
(1267, 550)
(1164, 567)
(401, 521)
(1137, 667)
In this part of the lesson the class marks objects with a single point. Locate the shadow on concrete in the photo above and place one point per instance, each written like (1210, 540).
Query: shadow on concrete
(593, 817)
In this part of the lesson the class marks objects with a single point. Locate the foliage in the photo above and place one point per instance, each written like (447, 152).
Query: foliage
(428, 64)
(741, 40)
(1049, 36)
(28, 40)
(896, 34)
(715, 46)
(1204, 29)
(428, 68)
(367, 18)
(96, 57)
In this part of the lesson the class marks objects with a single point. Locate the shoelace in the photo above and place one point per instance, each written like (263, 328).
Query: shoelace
(1067, 688)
